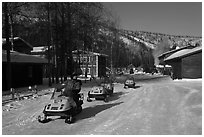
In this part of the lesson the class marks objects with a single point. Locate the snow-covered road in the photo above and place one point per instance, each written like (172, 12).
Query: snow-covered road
(155, 107)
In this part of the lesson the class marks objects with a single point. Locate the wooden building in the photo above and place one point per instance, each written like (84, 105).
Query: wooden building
(186, 63)
(26, 69)
(92, 64)
(166, 69)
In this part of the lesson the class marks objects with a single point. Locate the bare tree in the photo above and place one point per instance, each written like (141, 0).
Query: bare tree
(9, 82)
(49, 43)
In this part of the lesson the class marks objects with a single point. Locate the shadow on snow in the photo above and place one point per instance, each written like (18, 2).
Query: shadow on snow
(116, 95)
(92, 111)
(88, 112)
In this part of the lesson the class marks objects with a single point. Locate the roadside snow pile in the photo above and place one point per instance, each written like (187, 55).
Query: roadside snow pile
(14, 105)
(199, 79)
(47, 91)
(11, 106)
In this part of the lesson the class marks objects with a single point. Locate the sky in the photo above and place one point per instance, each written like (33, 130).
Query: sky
(174, 18)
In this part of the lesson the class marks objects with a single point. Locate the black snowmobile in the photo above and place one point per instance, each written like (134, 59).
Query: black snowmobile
(59, 105)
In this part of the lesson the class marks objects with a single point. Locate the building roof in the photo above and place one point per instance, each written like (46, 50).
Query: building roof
(184, 53)
(17, 57)
(173, 51)
(16, 39)
(88, 52)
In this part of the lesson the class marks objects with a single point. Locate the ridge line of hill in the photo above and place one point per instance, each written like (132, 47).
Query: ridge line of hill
(162, 34)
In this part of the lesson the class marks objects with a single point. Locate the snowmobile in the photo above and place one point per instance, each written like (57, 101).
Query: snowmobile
(101, 91)
(129, 83)
(59, 105)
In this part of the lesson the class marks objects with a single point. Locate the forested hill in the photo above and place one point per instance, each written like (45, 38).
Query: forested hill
(156, 38)
(157, 42)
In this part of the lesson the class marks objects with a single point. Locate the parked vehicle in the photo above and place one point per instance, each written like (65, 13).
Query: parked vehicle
(103, 91)
(82, 77)
(129, 83)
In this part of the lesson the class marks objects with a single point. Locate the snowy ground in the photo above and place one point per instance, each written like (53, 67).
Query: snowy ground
(157, 106)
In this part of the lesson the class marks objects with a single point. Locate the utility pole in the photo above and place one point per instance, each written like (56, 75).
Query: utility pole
(7, 46)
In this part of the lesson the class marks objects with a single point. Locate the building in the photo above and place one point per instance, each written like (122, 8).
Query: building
(166, 69)
(186, 63)
(26, 69)
(92, 64)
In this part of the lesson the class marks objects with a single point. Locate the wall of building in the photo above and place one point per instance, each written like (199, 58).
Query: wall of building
(192, 66)
(176, 68)
(96, 64)
(87, 61)
(101, 66)
(23, 75)
(187, 67)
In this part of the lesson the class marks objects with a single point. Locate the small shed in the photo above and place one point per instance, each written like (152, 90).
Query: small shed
(186, 63)
(26, 70)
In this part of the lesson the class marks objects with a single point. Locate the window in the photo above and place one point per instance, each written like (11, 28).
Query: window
(89, 71)
(89, 59)
(85, 59)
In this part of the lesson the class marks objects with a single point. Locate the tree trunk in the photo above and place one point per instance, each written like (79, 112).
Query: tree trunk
(9, 82)
(69, 50)
(63, 43)
(53, 48)
(56, 47)
(57, 62)
(48, 44)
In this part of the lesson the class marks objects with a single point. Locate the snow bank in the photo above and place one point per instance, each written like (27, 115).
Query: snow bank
(199, 79)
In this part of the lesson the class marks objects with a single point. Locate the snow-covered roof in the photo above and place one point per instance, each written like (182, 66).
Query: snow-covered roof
(184, 53)
(162, 66)
(17, 57)
(18, 39)
(88, 52)
(173, 51)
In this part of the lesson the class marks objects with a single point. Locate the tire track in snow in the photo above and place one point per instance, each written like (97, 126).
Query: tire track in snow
(184, 120)
(26, 114)
(116, 114)
(127, 113)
